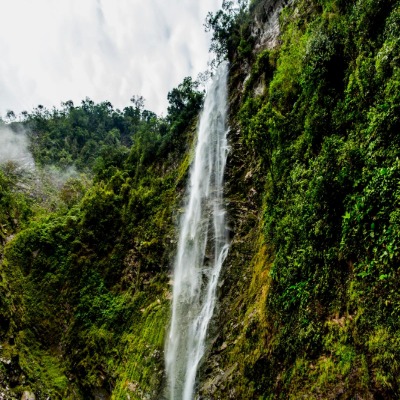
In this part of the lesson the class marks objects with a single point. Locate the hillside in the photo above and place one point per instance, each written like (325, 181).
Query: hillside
(85, 270)
(308, 298)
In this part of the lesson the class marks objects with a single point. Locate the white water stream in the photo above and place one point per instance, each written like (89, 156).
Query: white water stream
(202, 246)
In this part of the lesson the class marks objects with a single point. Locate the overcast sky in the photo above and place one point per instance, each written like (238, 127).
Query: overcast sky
(52, 51)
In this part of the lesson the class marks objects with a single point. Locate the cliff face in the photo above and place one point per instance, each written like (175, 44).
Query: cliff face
(309, 294)
(308, 298)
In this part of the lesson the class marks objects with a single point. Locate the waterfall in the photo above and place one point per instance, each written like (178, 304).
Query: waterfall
(202, 246)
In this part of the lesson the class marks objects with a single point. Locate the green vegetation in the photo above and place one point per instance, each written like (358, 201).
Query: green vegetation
(84, 281)
(310, 300)
(230, 27)
(320, 114)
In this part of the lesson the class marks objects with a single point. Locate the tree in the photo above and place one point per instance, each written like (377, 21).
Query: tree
(185, 102)
(138, 102)
(184, 99)
(225, 25)
(10, 115)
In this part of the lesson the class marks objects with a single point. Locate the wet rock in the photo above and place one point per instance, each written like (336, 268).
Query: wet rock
(223, 347)
(13, 371)
(28, 396)
(100, 394)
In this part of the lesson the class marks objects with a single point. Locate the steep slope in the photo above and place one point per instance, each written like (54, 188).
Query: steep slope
(310, 300)
(84, 289)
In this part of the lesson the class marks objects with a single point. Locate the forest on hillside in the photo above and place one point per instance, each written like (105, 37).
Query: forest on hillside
(309, 297)
(88, 249)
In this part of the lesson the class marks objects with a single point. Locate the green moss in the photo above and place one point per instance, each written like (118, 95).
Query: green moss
(141, 372)
(324, 135)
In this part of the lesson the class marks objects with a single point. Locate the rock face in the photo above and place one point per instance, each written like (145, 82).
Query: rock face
(28, 396)
(298, 317)
(266, 24)
(221, 375)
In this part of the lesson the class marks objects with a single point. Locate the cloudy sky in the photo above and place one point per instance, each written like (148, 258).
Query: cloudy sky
(53, 51)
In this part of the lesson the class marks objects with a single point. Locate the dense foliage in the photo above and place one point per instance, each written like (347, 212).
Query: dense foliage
(84, 294)
(309, 302)
(321, 114)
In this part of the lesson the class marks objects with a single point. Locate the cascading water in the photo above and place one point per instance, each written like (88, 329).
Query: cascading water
(202, 246)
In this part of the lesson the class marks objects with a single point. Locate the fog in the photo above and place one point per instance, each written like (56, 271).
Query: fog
(14, 147)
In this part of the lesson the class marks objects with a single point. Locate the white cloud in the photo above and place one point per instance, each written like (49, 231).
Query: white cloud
(53, 51)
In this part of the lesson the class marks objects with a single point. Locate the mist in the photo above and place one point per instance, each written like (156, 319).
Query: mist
(14, 147)
(57, 176)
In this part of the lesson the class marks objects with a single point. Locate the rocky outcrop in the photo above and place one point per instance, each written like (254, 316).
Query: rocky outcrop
(28, 396)
(266, 27)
